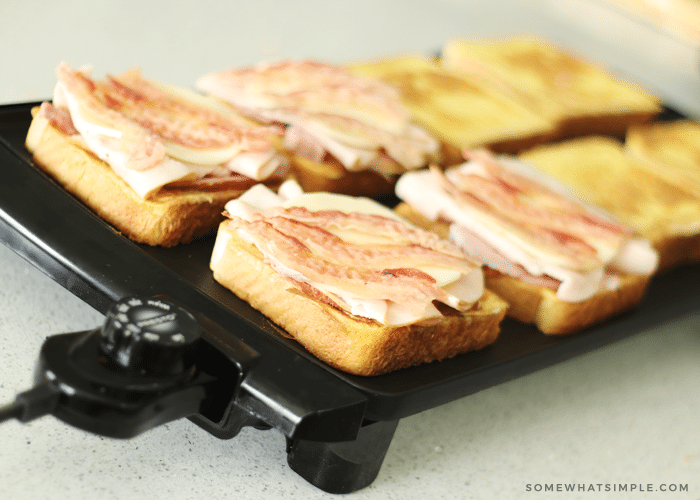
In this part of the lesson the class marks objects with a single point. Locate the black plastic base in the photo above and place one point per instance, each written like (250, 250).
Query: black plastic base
(332, 466)
(345, 466)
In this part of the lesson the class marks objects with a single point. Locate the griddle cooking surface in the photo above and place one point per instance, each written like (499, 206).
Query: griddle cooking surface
(66, 240)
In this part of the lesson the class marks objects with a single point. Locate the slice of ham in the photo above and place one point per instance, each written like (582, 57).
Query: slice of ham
(303, 144)
(481, 251)
(357, 144)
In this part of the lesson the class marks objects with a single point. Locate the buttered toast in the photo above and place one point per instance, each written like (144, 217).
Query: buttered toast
(579, 97)
(671, 149)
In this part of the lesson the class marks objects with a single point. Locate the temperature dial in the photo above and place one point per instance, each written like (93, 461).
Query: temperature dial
(149, 336)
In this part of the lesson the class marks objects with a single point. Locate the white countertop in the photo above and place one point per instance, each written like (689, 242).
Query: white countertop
(623, 415)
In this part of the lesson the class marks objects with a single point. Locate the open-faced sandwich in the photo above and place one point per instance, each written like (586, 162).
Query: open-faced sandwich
(558, 262)
(359, 287)
(157, 162)
(344, 133)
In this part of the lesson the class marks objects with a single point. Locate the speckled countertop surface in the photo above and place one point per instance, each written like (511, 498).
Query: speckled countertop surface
(623, 415)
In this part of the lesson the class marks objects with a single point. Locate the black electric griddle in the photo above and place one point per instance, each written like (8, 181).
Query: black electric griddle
(338, 426)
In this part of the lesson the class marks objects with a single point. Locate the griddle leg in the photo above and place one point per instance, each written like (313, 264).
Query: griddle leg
(346, 466)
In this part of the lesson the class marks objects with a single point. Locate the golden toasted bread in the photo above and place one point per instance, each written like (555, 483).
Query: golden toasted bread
(578, 96)
(670, 149)
(458, 110)
(601, 171)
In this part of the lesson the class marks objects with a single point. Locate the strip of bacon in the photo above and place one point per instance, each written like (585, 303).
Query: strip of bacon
(415, 292)
(397, 231)
(175, 119)
(229, 180)
(141, 148)
(538, 201)
(313, 86)
(331, 247)
(544, 219)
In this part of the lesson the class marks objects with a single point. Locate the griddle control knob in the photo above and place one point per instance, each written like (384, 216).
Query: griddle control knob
(149, 336)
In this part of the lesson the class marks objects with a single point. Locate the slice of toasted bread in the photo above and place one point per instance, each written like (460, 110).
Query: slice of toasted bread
(458, 110)
(601, 171)
(579, 96)
(670, 149)
(539, 305)
(170, 217)
(347, 342)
